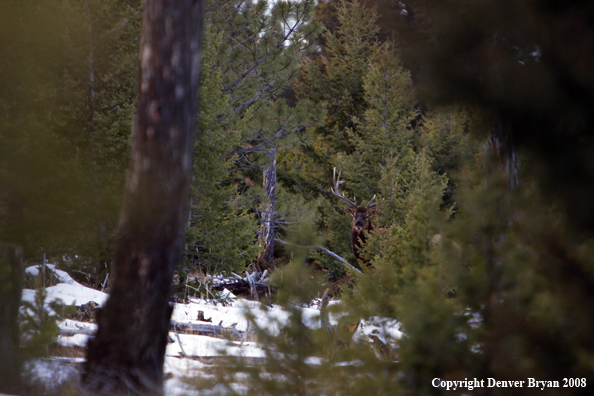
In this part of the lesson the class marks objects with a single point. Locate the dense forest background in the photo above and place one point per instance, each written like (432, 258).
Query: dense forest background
(470, 123)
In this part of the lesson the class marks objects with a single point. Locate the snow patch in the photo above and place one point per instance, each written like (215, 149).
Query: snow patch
(181, 353)
(69, 291)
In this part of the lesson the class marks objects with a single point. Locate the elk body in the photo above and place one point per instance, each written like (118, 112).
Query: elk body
(361, 218)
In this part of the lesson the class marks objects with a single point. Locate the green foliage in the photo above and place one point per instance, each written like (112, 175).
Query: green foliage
(335, 79)
(96, 100)
(306, 360)
(450, 226)
(367, 129)
(69, 74)
(220, 230)
(384, 133)
(250, 55)
(508, 273)
(405, 250)
(526, 64)
(444, 136)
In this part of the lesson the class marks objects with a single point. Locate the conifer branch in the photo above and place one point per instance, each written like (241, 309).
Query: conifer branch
(280, 45)
(283, 132)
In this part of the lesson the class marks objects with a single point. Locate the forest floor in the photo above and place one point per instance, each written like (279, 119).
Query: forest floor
(202, 336)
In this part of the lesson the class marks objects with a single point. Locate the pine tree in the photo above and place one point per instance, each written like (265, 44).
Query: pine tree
(68, 78)
(128, 351)
(385, 139)
(370, 106)
(221, 230)
(487, 281)
(335, 79)
(96, 98)
(526, 64)
(445, 136)
(251, 56)
(403, 250)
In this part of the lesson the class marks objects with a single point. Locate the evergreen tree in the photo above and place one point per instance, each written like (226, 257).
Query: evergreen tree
(385, 141)
(68, 75)
(444, 135)
(96, 98)
(404, 249)
(369, 128)
(251, 55)
(514, 318)
(221, 230)
(528, 64)
(335, 79)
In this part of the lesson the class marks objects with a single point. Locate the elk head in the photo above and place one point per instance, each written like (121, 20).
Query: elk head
(361, 216)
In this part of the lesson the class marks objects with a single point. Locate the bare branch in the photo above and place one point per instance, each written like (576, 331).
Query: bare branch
(329, 252)
(214, 6)
(255, 98)
(280, 45)
(280, 134)
(246, 73)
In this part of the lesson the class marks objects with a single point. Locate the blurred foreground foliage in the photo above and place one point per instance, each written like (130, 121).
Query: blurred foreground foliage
(520, 278)
(481, 265)
(68, 86)
(483, 269)
(39, 324)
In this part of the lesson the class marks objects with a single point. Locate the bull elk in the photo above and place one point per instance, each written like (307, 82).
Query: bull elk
(361, 217)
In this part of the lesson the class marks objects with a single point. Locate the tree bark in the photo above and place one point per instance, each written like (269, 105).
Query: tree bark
(504, 152)
(500, 156)
(126, 357)
(11, 285)
(267, 219)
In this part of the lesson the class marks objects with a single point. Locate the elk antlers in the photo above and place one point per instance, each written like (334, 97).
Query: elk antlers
(353, 204)
(371, 205)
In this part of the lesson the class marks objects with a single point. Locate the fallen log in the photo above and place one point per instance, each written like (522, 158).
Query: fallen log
(206, 329)
(225, 361)
(69, 331)
(242, 287)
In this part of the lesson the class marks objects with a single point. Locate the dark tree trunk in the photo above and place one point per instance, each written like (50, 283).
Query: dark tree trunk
(500, 156)
(501, 152)
(127, 354)
(11, 285)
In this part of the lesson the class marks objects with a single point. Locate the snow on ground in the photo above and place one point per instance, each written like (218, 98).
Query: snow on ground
(235, 315)
(180, 368)
(69, 291)
(204, 346)
(386, 329)
(182, 352)
(53, 372)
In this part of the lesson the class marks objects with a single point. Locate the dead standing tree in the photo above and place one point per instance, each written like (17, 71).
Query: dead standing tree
(127, 354)
(267, 218)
